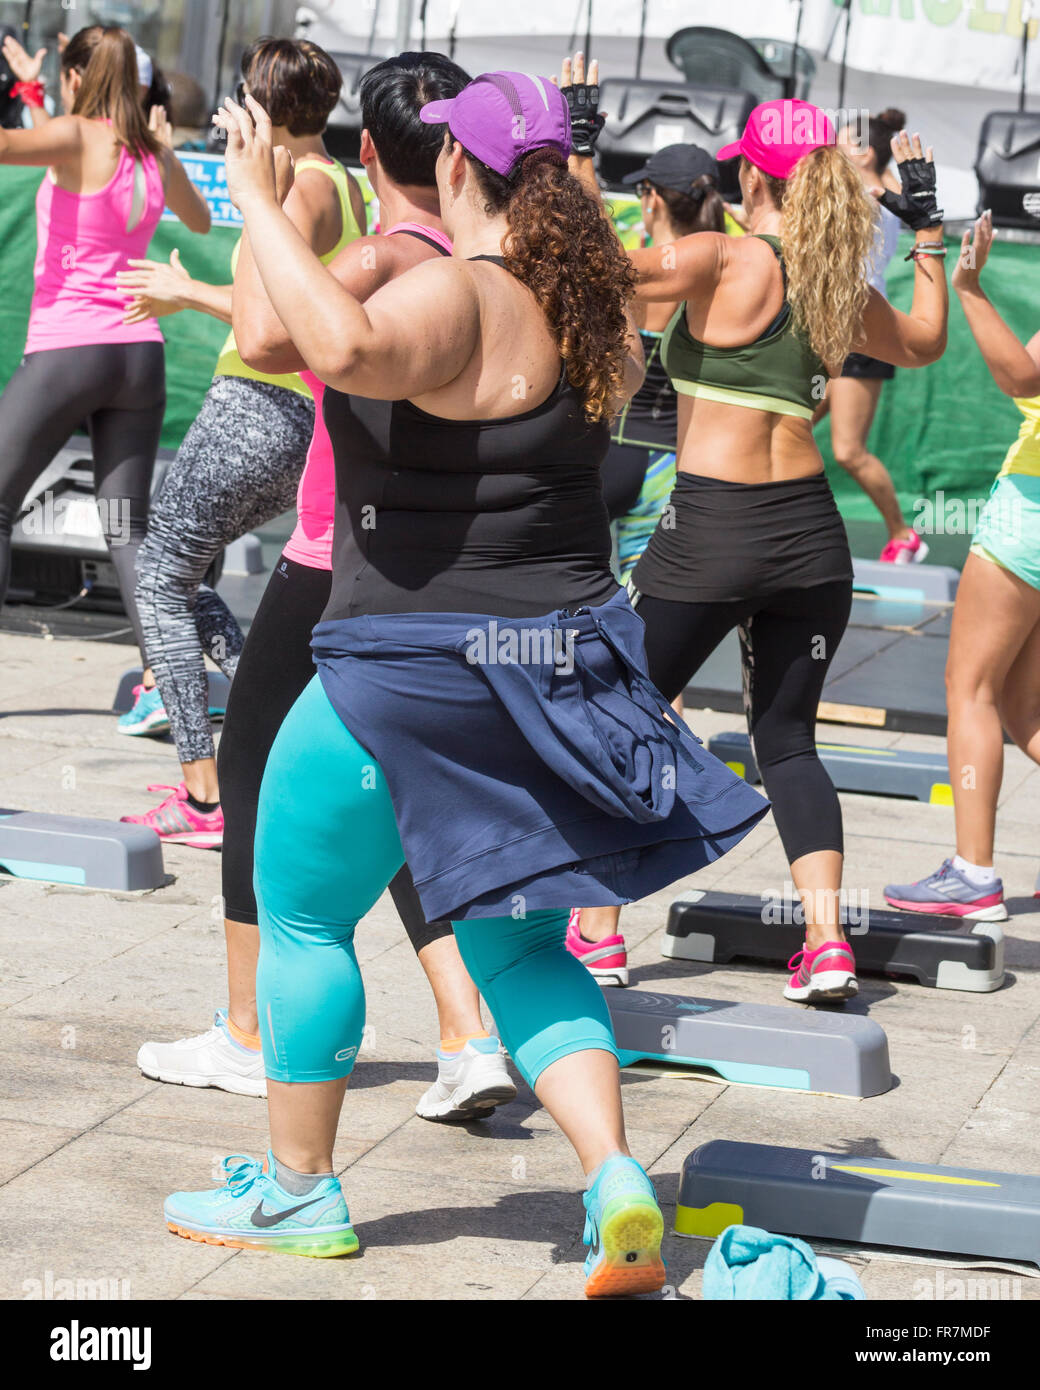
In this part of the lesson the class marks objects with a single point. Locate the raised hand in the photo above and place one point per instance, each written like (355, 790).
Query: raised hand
(250, 153)
(975, 247)
(159, 125)
(25, 69)
(583, 100)
(917, 204)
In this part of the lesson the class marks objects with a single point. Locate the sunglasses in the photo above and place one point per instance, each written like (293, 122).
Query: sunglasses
(644, 188)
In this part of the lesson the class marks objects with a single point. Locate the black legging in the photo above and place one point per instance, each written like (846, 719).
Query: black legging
(787, 642)
(273, 669)
(118, 390)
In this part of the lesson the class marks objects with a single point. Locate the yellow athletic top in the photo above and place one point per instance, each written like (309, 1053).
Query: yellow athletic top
(1024, 454)
(229, 363)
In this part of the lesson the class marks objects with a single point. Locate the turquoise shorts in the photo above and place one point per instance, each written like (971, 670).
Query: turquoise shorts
(1008, 532)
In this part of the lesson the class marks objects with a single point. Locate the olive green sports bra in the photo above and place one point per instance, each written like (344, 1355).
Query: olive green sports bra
(778, 372)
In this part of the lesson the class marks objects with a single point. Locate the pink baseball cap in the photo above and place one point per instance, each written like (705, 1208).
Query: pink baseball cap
(503, 116)
(780, 133)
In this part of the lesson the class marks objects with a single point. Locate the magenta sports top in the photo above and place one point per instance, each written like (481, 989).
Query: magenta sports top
(82, 242)
(311, 543)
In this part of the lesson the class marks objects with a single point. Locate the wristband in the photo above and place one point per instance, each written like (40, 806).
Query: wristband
(925, 248)
(31, 93)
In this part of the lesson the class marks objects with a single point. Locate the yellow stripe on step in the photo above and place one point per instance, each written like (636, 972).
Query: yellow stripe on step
(915, 1177)
(709, 1221)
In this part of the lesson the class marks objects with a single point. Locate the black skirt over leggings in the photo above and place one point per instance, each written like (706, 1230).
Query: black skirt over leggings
(771, 560)
(273, 669)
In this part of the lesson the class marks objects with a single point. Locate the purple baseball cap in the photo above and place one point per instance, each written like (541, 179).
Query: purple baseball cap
(503, 116)
(780, 133)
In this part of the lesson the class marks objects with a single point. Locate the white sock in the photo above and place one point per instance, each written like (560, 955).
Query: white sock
(979, 874)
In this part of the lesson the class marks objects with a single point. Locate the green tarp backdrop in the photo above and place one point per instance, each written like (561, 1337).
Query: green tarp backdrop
(943, 428)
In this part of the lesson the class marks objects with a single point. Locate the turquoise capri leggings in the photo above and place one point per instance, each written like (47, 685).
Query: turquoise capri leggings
(326, 848)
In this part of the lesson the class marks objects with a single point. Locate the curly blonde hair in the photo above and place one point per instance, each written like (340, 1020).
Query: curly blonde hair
(828, 228)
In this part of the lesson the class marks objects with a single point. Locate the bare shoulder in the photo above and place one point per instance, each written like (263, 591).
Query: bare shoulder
(443, 275)
(76, 130)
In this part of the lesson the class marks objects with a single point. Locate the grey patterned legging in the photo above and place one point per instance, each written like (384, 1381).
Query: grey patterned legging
(238, 467)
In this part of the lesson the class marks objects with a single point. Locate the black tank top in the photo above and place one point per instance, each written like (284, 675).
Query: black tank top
(500, 517)
(651, 417)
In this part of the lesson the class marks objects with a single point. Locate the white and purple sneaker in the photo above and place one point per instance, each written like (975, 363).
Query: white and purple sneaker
(949, 893)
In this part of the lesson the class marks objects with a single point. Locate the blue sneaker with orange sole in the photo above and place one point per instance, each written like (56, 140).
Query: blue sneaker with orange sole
(623, 1228)
(252, 1212)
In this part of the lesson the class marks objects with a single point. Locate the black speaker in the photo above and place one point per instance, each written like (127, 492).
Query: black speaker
(10, 107)
(644, 115)
(343, 134)
(1008, 168)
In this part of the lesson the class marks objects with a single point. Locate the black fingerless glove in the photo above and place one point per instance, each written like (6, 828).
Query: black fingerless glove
(586, 120)
(916, 205)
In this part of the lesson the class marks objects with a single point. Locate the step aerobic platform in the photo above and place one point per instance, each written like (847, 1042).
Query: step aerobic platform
(219, 686)
(78, 850)
(764, 1044)
(869, 1201)
(720, 927)
(876, 771)
(927, 583)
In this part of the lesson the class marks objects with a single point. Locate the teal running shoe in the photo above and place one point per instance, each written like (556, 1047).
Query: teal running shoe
(147, 718)
(252, 1212)
(624, 1228)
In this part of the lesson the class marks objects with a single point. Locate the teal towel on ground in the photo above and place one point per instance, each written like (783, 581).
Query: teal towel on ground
(748, 1263)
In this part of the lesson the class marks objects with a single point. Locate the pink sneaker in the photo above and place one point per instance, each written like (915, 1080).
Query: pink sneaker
(908, 550)
(822, 976)
(606, 960)
(177, 821)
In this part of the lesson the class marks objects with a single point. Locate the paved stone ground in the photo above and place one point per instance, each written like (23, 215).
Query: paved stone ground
(488, 1210)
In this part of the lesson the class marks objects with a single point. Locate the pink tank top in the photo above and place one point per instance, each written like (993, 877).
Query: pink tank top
(311, 543)
(81, 243)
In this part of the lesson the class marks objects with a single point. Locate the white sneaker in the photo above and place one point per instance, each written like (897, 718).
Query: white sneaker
(470, 1083)
(211, 1059)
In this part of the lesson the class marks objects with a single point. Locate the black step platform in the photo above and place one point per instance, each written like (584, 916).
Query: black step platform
(942, 953)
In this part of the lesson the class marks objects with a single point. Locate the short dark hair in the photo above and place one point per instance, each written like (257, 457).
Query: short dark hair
(295, 81)
(880, 131)
(392, 94)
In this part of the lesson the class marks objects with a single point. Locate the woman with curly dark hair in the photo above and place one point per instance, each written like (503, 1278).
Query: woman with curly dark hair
(489, 718)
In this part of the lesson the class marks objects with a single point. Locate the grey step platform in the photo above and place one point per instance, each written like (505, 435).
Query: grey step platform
(219, 686)
(941, 952)
(875, 771)
(767, 1045)
(78, 850)
(870, 1201)
(930, 583)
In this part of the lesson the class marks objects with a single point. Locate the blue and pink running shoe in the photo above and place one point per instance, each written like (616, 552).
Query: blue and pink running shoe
(623, 1228)
(252, 1212)
(147, 718)
(178, 822)
(824, 975)
(949, 893)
